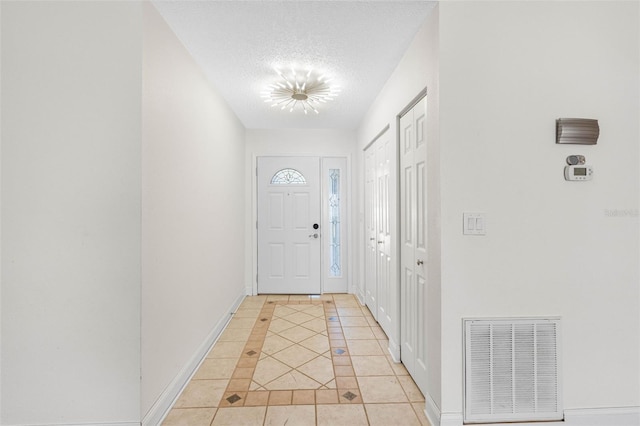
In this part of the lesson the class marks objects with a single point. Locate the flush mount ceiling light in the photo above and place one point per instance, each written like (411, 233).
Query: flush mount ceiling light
(303, 90)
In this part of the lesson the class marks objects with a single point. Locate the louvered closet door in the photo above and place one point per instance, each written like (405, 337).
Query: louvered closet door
(413, 242)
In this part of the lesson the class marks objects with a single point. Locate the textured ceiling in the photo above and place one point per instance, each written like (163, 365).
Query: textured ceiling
(238, 44)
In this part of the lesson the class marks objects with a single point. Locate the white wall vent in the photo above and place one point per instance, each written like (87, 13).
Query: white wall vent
(511, 370)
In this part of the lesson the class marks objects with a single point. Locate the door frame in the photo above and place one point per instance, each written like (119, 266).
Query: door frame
(325, 283)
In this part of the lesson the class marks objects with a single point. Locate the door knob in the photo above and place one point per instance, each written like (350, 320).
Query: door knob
(372, 239)
(419, 262)
(313, 236)
(380, 242)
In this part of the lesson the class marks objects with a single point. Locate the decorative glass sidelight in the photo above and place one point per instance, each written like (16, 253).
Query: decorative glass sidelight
(288, 177)
(335, 266)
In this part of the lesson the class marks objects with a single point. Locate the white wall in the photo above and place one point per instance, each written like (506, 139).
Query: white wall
(192, 190)
(417, 69)
(288, 142)
(70, 212)
(507, 71)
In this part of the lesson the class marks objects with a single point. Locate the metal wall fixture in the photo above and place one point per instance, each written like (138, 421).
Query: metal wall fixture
(581, 131)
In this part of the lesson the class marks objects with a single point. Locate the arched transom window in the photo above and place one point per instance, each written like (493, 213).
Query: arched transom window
(288, 177)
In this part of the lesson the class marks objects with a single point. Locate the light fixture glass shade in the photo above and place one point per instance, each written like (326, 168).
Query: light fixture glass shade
(303, 91)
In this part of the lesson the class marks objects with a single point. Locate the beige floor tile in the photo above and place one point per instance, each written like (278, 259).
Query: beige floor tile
(364, 347)
(235, 335)
(269, 369)
(243, 373)
(382, 389)
(326, 396)
(354, 322)
(343, 414)
(372, 321)
(418, 408)
(297, 334)
(282, 397)
(391, 414)
(410, 388)
(202, 393)
(245, 362)
(279, 324)
(379, 333)
(293, 415)
(247, 313)
(294, 356)
(190, 417)
(398, 368)
(275, 344)
(235, 416)
(215, 369)
(304, 397)
(371, 366)
(350, 312)
(226, 350)
(241, 323)
(318, 343)
(349, 396)
(343, 370)
(233, 399)
(358, 333)
(292, 380)
(316, 324)
(319, 369)
(346, 383)
(282, 311)
(299, 318)
(256, 398)
(238, 385)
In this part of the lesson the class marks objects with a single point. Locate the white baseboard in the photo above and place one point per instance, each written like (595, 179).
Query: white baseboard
(77, 424)
(163, 404)
(432, 411)
(394, 350)
(625, 416)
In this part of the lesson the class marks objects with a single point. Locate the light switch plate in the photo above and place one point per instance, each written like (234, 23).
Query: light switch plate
(474, 224)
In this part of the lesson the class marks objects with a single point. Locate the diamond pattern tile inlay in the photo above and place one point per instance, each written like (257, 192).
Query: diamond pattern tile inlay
(233, 398)
(350, 396)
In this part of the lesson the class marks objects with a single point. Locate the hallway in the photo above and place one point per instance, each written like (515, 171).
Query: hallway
(300, 360)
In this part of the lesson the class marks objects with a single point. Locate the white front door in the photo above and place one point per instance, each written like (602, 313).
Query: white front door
(289, 225)
(413, 241)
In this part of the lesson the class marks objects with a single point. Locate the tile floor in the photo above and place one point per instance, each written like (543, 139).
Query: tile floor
(300, 360)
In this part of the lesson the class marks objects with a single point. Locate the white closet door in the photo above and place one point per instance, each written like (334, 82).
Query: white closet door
(371, 233)
(385, 189)
(413, 241)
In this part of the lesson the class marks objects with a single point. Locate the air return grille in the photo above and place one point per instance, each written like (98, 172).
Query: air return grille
(511, 370)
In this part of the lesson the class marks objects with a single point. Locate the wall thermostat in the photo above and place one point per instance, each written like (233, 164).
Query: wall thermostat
(572, 160)
(578, 172)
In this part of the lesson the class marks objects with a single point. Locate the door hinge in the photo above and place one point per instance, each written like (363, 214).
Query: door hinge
(256, 224)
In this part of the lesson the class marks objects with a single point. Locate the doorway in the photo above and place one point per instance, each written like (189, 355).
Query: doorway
(289, 235)
(302, 216)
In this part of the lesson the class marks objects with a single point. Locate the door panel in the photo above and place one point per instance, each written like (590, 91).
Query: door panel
(371, 249)
(288, 206)
(413, 250)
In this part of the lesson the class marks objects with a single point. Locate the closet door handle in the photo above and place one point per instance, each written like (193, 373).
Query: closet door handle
(420, 262)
